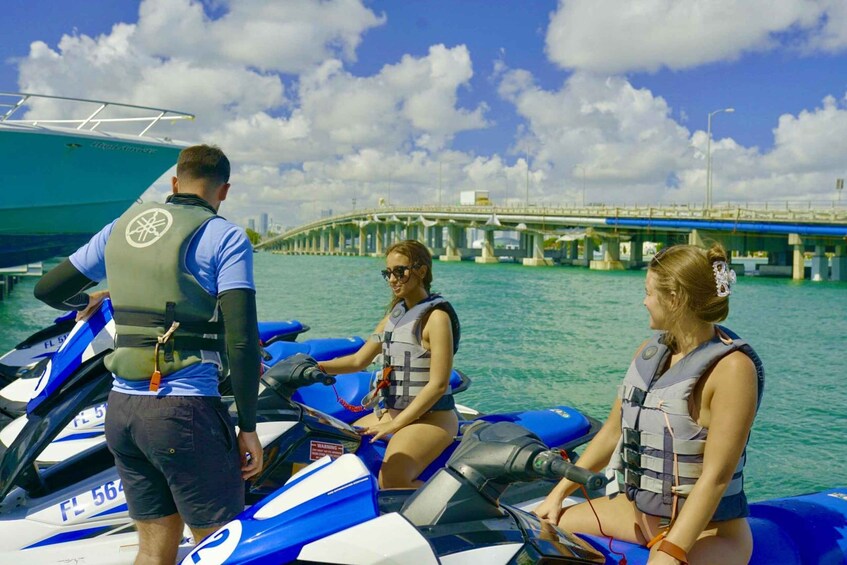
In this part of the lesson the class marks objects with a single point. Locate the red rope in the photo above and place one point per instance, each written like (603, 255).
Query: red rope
(383, 382)
(622, 560)
(346, 404)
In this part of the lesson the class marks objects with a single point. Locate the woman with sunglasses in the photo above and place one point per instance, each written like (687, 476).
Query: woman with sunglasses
(417, 339)
(677, 433)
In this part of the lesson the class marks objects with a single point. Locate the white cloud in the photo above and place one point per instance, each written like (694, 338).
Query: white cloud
(621, 137)
(339, 128)
(413, 98)
(305, 133)
(288, 37)
(112, 67)
(831, 37)
(407, 106)
(630, 149)
(614, 36)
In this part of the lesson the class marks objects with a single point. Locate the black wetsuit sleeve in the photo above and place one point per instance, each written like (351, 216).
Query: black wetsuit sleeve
(63, 287)
(238, 309)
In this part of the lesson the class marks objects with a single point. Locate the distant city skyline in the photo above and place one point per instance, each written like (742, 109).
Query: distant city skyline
(409, 102)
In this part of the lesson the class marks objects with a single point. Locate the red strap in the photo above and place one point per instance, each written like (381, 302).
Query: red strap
(383, 382)
(622, 560)
(673, 550)
(385, 379)
(346, 404)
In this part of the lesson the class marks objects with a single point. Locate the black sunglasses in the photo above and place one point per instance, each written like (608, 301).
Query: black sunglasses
(400, 272)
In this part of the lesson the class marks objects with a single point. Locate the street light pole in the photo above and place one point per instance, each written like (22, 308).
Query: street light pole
(527, 179)
(709, 153)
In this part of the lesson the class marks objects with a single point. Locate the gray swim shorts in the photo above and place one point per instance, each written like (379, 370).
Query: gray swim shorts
(176, 454)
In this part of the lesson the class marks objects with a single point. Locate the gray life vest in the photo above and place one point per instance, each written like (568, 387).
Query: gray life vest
(409, 361)
(151, 287)
(644, 458)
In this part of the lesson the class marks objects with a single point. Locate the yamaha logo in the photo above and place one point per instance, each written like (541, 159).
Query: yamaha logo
(148, 227)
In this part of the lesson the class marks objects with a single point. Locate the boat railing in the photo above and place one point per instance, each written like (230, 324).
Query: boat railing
(91, 121)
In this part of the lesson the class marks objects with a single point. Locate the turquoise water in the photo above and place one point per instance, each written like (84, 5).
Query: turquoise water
(535, 337)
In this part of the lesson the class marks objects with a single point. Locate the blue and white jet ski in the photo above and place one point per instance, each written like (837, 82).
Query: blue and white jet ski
(22, 368)
(332, 512)
(73, 508)
(94, 337)
(30, 355)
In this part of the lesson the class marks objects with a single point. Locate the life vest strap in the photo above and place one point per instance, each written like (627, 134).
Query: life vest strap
(652, 401)
(636, 440)
(157, 320)
(632, 458)
(190, 343)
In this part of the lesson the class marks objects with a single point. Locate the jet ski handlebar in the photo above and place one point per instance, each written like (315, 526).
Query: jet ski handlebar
(551, 465)
(490, 458)
(294, 372)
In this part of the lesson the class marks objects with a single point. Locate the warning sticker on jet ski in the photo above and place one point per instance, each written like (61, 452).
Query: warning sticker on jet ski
(318, 449)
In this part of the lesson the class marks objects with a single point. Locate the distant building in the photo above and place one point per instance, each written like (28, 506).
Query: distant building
(326, 213)
(263, 223)
(251, 224)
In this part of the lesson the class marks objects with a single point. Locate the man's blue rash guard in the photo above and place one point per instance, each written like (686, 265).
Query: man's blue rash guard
(221, 259)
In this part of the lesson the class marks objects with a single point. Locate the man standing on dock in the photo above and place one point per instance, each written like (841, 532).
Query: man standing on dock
(181, 285)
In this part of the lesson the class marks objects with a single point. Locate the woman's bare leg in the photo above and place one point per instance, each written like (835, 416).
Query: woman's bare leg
(729, 543)
(415, 446)
(618, 516)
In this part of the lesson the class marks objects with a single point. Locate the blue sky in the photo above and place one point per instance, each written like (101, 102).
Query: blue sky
(320, 102)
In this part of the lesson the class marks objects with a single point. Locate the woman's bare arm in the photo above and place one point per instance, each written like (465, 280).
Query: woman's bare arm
(359, 360)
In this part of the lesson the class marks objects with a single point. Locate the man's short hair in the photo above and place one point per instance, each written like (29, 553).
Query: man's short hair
(203, 162)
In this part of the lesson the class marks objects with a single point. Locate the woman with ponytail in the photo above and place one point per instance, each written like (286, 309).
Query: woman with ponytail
(417, 339)
(678, 429)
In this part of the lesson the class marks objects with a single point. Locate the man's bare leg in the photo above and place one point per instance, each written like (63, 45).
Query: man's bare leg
(158, 540)
(200, 533)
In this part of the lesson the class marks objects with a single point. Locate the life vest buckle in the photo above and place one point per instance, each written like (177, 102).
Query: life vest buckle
(632, 438)
(632, 478)
(636, 396)
(631, 457)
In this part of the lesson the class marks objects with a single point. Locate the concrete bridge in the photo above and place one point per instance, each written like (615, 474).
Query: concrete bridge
(618, 233)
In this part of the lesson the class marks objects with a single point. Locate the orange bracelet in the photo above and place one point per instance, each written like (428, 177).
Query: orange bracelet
(673, 550)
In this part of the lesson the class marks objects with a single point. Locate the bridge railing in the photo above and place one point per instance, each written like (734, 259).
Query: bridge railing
(551, 214)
